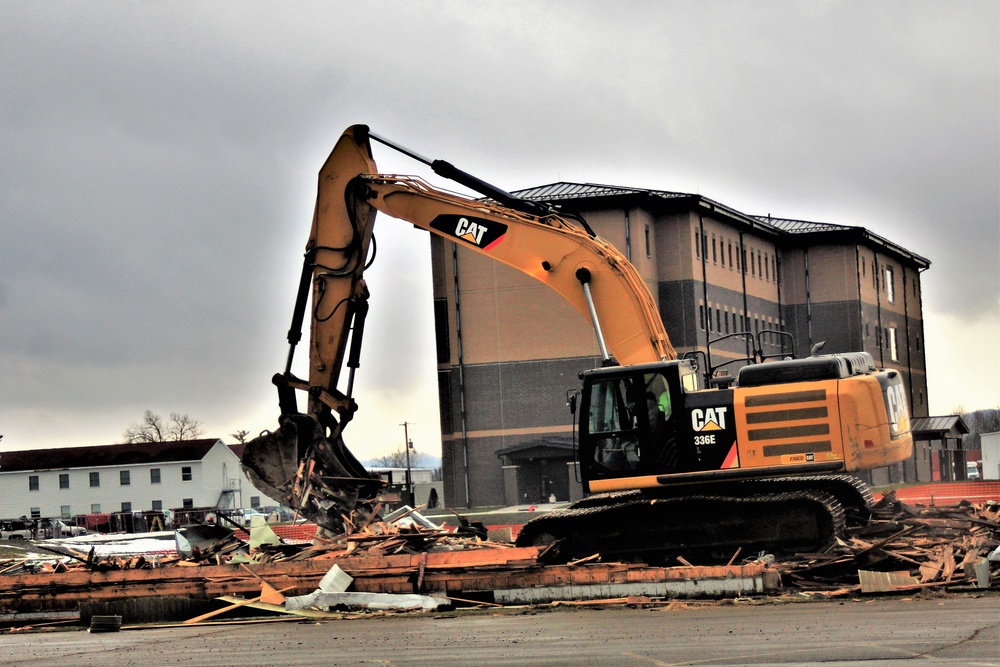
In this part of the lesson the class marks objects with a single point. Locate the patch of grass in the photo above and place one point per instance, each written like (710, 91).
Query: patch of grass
(11, 550)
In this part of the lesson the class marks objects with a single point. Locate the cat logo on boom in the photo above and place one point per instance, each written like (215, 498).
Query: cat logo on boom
(480, 232)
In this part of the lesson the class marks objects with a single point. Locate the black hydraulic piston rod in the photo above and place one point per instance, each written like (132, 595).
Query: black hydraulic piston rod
(451, 172)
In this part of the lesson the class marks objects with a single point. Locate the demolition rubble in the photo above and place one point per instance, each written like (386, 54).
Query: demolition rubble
(405, 562)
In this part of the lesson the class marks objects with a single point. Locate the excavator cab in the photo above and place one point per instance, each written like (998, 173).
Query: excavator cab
(629, 422)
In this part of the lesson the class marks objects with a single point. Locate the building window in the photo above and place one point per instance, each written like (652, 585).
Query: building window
(95, 479)
(154, 475)
(863, 273)
(648, 246)
(753, 266)
(254, 501)
(760, 267)
(36, 512)
(187, 503)
(64, 512)
(697, 243)
(95, 508)
(186, 474)
(890, 286)
(718, 320)
(126, 506)
(701, 316)
(890, 339)
(722, 251)
(739, 254)
(32, 482)
(774, 268)
(726, 319)
(158, 505)
(64, 480)
(767, 272)
(715, 257)
(730, 255)
(125, 477)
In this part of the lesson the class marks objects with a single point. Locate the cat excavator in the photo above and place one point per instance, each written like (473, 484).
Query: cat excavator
(673, 461)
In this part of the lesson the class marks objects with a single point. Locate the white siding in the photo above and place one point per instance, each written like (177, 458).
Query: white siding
(218, 470)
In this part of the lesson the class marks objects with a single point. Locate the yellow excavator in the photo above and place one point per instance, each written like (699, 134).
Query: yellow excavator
(762, 462)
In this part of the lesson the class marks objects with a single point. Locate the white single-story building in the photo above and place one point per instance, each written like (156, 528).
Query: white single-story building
(69, 481)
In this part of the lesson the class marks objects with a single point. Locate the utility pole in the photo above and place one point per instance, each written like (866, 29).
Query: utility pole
(408, 444)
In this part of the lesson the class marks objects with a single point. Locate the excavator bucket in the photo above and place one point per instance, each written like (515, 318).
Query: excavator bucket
(319, 477)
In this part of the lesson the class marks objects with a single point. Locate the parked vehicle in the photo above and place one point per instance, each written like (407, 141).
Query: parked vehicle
(277, 513)
(16, 529)
(246, 515)
(972, 470)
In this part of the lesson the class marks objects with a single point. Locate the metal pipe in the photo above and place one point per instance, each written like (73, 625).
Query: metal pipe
(583, 275)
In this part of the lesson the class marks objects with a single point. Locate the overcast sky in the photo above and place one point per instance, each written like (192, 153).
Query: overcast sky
(158, 169)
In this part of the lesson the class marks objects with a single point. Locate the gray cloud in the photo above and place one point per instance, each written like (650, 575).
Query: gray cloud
(159, 164)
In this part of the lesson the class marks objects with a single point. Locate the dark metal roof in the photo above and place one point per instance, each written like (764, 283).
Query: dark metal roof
(801, 226)
(105, 455)
(563, 190)
(563, 444)
(860, 234)
(791, 229)
(947, 424)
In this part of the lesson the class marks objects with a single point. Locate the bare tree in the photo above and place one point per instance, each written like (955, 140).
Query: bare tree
(397, 459)
(152, 428)
(240, 436)
(979, 422)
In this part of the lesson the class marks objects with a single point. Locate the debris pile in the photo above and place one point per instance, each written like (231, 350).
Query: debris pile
(403, 532)
(905, 548)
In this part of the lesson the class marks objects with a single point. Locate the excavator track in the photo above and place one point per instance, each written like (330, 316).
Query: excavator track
(709, 522)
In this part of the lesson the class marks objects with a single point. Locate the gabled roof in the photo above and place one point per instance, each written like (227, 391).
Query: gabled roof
(849, 233)
(546, 445)
(106, 455)
(801, 226)
(952, 425)
(577, 195)
(564, 190)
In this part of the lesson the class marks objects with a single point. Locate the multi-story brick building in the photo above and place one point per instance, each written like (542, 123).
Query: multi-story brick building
(509, 348)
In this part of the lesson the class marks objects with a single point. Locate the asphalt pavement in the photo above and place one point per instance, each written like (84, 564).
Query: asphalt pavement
(879, 632)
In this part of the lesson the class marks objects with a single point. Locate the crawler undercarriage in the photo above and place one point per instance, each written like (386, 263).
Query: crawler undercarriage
(708, 522)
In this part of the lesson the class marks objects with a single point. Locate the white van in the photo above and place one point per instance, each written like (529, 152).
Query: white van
(971, 470)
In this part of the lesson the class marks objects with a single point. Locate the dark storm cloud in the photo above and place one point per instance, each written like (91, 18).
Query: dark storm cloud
(159, 164)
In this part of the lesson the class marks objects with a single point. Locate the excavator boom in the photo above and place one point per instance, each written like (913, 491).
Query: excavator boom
(305, 462)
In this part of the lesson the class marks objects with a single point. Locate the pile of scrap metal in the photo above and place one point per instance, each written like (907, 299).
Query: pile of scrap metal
(906, 548)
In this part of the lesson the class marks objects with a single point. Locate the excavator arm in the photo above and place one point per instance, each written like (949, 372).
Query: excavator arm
(305, 462)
